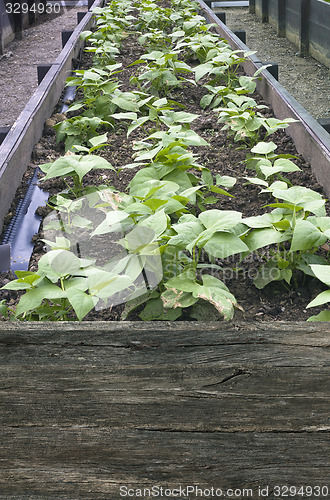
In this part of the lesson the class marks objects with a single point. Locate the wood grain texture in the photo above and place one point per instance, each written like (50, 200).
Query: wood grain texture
(89, 407)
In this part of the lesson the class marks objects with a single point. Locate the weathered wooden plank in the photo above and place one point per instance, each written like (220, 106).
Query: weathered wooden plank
(170, 395)
(234, 355)
(94, 462)
(157, 333)
(187, 412)
(212, 378)
(161, 344)
(89, 407)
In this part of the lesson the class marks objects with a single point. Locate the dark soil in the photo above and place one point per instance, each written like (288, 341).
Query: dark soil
(223, 156)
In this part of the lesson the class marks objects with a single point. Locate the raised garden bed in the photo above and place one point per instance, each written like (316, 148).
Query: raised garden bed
(17, 146)
(230, 225)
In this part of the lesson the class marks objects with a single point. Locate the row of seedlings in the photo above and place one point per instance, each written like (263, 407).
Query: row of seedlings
(146, 247)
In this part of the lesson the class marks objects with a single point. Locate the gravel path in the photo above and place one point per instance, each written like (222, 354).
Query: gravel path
(41, 44)
(305, 78)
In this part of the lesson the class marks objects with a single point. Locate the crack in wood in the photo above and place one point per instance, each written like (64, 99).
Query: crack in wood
(237, 373)
(241, 430)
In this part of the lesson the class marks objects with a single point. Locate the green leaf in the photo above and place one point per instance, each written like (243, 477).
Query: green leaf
(220, 219)
(255, 180)
(184, 282)
(216, 189)
(112, 222)
(139, 208)
(60, 167)
(149, 154)
(306, 236)
(139, 185)
(155, 203)
(272, 170)
(4, 311)
(286, 165)
(262, 237)
(141, 240)
(222, 245)
(173, 298)
(70, 164)
(64, 262)
(283, 225)
(81, 302)
(306, 260)
(163, 188)
(267, 273)
(173, 205)
(321, 299)
(206, 100)
(209, 280)
(125, 116)
(136, 302)
(33, 298)
(181, 178)
(225, 180)
(286, 275)
(202, 70)
(248, 83)
(123, 103)
(301, 196)
(322, 272)
(265, 220)
(170, 117)
(17, 285)
(104, 284)
(136, 124)
(78, 221)
(97, 140)
(77, 282)
(221, 299)
(154, 310)
(323, 223)
(85, 34)
(60, 243)
(186, 233)
(58, 263)
(207, 178)
(264, 148)
(322, 316)
(157, 222)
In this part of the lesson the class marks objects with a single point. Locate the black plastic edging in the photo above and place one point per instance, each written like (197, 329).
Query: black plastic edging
(16, 149)
(23, 226)
(310, 138)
